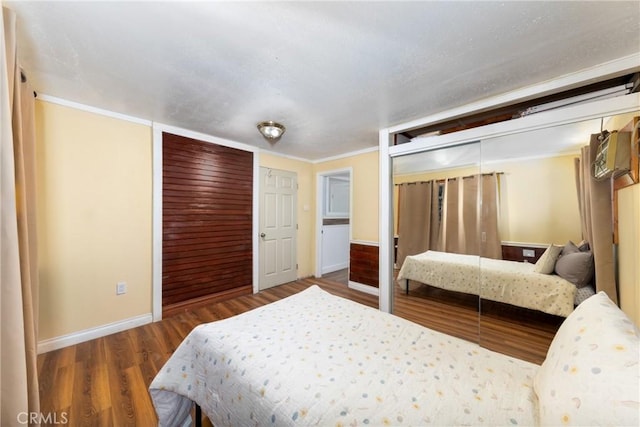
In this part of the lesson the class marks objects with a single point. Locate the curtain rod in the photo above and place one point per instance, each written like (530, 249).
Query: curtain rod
(444, 179)
(483, 174)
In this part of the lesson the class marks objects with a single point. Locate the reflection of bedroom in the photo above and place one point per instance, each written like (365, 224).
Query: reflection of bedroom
(523, 256)
(537, 206)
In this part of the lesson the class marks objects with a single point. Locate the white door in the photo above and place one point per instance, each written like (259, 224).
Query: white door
(278, 227)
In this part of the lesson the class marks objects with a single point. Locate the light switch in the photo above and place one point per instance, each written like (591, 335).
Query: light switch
(121, 288)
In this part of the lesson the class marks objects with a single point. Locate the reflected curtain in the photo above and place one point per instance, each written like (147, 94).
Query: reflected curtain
(18, 264)
(418, 218)
(595, 202)
(470, 216)
(490, 241)
(469, 233)
(450, 226)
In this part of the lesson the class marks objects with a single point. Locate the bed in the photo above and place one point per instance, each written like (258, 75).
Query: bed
(510, 282)
(318, 359)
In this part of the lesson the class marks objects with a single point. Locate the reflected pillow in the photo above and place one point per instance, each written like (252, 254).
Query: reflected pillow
(584, 246)
(547, 262)
(591, 375)
(576, 267)
(571, 247)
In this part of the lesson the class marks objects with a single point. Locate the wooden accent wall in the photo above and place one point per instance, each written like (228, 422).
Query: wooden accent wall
(364, 264)
(207, 196)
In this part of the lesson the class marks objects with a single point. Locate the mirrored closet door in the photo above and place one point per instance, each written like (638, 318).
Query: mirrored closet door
(547, 262)
(537, 207)
(435, 210)
(490, 241)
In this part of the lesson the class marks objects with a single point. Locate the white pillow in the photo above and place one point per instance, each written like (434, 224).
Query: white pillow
(546, 264)
(591, 375)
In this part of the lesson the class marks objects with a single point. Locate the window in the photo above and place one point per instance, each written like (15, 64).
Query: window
(336, 197)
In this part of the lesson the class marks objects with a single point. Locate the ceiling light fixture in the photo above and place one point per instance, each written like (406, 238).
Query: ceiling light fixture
(271, 130)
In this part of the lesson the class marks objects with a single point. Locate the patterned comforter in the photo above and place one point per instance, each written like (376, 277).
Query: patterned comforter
(318, 359)
(509, 282)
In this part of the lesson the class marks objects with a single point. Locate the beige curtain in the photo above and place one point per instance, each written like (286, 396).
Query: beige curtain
(490, 241)
(596, 202)
(418, 218)
(469, 233)
(470, 216)
(451, 224)
(18, 264)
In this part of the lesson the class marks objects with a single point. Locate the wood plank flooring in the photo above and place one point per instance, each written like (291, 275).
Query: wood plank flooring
(495, 328)
(104, 382)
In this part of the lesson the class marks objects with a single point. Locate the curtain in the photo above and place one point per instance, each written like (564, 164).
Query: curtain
(18, 264)
(490, 242)
(469, 233)
(451, 224)
(595, 202)
(470, 216)
(418, 218)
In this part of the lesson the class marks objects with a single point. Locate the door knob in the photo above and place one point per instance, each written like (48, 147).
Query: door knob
(263, 235)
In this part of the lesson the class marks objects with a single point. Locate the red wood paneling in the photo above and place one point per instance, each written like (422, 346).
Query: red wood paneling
(363, 264)
(207, 193)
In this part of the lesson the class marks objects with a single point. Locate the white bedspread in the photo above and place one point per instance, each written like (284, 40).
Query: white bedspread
(509, 282)
(317, 359)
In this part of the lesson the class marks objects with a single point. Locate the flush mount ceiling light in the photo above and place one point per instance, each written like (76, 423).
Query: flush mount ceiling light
(271, 130)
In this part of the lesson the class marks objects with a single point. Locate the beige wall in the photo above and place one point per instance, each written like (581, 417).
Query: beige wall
(94, 219)
(629, 251)
(541, 200)
(538, 196)
(364, 177)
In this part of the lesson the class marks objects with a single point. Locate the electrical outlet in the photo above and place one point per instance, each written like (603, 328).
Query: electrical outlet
(121, 288)
(528, 253)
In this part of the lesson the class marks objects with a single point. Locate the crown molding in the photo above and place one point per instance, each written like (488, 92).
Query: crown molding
(94, 110)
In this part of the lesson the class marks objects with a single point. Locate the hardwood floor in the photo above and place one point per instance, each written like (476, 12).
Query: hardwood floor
(497, 329)
(340, 276)
(104, 382)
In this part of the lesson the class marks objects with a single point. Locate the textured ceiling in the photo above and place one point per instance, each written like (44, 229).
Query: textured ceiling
(332, 72)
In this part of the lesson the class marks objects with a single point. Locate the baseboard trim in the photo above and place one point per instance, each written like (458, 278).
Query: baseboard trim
(364, 242)
(364, 288)
(62, 341)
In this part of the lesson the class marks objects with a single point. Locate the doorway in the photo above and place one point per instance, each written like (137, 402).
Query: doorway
(333, 227)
